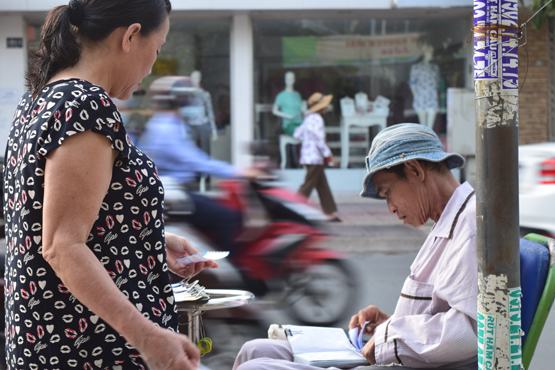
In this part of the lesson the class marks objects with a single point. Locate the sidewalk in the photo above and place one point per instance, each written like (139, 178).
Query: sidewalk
(368, 227)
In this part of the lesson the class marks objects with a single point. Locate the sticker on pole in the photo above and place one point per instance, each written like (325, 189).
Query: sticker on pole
(496, 41)
(509, 44)
(498, 323)
(486, 49)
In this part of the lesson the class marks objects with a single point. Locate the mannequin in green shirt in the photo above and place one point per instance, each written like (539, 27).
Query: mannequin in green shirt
(289, 106)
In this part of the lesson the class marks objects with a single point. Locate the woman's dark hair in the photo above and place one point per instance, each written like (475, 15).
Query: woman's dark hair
(67, 26)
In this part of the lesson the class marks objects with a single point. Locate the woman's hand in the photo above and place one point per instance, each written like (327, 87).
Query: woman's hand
(331, 161)
(163, 349)
(371, 314)
(177, 247)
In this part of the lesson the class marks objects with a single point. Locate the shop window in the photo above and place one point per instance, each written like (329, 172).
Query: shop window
(371, 55)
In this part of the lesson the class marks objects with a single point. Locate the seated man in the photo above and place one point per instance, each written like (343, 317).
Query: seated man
(434, 322)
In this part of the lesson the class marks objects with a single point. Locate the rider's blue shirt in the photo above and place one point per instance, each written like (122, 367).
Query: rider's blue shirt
(167, 141)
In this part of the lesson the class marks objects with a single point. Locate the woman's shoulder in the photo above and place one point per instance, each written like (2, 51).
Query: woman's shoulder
(76, 94)
(71, 89)
(67, 107)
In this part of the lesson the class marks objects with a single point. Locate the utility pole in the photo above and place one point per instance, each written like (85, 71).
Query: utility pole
(496, 33)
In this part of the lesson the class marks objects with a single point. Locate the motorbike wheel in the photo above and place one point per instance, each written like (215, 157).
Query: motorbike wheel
(321, 294)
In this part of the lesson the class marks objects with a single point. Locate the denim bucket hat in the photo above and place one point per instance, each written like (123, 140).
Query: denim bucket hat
(400, 143)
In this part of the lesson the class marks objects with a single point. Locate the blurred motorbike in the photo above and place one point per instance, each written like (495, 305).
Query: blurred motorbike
(278, 254)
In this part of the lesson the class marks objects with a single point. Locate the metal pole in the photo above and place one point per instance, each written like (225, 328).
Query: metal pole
(496, 90)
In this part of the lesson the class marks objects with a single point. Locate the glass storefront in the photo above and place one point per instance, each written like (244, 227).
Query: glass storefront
(368, 57)
(346, 56)
(193, 45)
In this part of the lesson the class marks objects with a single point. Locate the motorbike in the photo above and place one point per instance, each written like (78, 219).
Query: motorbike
(278, 254)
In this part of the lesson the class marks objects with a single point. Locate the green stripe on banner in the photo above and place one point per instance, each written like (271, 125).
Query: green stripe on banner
(299, 50)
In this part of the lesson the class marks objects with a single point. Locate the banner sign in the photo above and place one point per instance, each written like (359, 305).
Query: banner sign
(350, 49)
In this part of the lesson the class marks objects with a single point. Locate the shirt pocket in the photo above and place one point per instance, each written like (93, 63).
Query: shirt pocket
(415, 298)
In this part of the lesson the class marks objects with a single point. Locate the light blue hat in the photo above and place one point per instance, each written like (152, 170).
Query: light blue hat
(400, 143)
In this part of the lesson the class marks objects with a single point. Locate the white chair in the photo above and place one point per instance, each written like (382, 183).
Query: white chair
(283, 141)
(361, 120)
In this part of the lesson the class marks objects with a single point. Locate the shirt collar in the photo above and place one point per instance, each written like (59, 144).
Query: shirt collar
(448, 218)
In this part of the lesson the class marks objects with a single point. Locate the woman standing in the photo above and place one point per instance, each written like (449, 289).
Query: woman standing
(87, 256)
(315, 153)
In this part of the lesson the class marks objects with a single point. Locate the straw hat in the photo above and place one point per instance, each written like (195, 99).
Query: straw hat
(318, 101)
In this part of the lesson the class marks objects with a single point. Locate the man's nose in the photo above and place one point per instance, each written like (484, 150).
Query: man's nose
(391, 207)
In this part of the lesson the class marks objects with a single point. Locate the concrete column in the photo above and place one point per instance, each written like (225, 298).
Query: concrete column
(242, 88)
(13, 65)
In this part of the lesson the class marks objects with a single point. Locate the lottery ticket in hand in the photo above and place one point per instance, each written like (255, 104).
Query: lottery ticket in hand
(197, 257)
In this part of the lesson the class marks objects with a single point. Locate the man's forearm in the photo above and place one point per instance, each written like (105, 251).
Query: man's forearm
(426, 340)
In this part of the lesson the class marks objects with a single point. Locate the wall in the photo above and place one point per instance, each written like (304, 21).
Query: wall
(13, 64)
(535, 77)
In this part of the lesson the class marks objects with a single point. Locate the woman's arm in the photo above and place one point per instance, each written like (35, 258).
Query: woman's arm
(77, 177)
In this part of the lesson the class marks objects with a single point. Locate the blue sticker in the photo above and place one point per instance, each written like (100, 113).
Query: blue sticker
(496, 41)
(486, 39)
(509, 44)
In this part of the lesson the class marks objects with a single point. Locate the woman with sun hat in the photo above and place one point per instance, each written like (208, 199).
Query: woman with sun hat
(315, 154)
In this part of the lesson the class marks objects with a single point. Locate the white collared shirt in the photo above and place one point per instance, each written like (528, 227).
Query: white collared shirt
(434, 323)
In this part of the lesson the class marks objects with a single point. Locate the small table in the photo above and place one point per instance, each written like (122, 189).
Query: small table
(219, 299)
(364, 120)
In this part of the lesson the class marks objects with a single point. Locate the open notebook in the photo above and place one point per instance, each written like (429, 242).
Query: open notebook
(323, 347)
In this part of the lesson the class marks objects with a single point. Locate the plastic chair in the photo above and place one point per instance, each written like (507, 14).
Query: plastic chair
(537, 269)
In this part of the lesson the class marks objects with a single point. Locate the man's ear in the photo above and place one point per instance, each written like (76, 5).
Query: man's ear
(414, 169)
(129, 36)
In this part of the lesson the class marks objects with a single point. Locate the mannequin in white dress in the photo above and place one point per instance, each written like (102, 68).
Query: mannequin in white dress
(424, 82)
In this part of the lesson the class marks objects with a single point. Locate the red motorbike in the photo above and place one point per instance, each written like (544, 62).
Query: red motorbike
(278, 254)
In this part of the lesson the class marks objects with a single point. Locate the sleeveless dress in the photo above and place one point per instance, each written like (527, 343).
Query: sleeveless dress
(46, 326)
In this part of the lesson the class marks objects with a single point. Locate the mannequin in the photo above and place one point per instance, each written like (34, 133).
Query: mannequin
(199, 114)
(424, 81)
(288, 105)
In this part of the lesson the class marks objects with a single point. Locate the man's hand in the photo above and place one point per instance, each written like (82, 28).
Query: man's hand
(177, 247)
(368, 351)
(372, 314)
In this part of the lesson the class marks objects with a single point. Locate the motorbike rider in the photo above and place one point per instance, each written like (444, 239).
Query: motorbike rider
(167, 141)
(434, 323)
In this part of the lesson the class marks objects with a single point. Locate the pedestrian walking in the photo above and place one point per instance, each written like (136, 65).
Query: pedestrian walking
(315, 154)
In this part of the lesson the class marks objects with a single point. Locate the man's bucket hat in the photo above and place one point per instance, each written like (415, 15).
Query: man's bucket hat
(400, 143)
